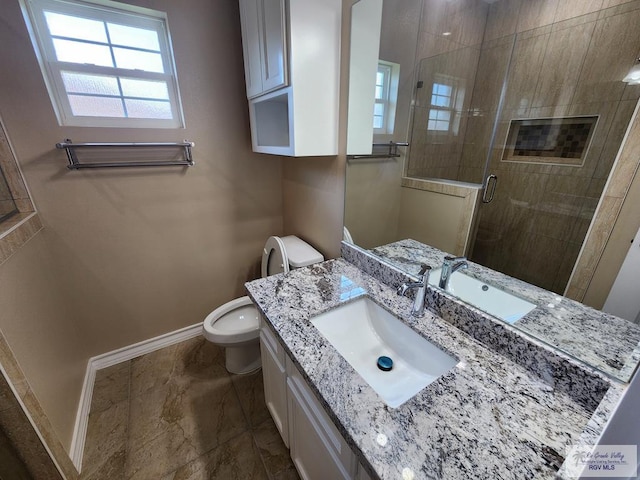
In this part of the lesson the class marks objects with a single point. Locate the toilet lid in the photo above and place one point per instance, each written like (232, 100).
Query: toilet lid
(274, 257)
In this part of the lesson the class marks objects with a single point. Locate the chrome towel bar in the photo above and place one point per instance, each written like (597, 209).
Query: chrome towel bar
(392, 151)
(75, 163)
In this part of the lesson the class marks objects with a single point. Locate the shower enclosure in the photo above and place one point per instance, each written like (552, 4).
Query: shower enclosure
(533, 95)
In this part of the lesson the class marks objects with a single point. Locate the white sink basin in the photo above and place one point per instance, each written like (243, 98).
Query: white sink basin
(362, 331)
(487, 298)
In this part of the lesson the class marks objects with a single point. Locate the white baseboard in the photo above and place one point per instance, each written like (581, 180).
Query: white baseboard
(113, 358)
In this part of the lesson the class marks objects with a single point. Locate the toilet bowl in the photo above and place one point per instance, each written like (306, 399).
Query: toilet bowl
(236, 324)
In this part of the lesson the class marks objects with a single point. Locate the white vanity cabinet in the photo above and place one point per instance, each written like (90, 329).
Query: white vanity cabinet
(292, 69)
(317, 448)
(275, 380)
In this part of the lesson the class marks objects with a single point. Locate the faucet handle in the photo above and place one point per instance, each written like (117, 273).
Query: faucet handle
(402, 289)
(424, 268)
(451, 259)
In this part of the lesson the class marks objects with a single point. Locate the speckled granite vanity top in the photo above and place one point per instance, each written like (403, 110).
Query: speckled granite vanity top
(604, 341)
(487, 418)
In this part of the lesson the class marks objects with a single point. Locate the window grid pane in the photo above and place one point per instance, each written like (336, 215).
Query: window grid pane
(144, 89)
(439, 120)
(73, 51)
(75, 27)
(136, 60)
(85, 83)
(148, 109)
(89, 106)
(126, 36)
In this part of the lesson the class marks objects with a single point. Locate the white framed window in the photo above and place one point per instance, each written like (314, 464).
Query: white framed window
(447, 97)
(105, 64)
(386, 97)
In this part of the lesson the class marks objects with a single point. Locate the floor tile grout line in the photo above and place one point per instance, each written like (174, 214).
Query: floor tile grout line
(270, 476)
(204, 454)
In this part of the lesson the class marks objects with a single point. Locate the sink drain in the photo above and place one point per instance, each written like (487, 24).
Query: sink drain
(385, 363)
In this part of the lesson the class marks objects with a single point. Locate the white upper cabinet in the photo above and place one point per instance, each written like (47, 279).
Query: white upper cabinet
(292, 70)
(264, 36)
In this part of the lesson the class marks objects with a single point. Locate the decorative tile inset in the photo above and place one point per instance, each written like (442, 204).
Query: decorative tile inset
(561, 141)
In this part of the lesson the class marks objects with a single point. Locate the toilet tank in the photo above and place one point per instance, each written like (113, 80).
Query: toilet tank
(300, 253)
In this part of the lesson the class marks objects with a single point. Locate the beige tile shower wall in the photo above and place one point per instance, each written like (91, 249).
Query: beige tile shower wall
(616, 221)
(569, 59)
(132, 253)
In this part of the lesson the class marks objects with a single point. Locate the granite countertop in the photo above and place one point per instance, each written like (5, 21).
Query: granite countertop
(487, 418)
(601, 340)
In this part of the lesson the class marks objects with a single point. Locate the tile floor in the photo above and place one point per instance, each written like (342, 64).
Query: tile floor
(177, 414)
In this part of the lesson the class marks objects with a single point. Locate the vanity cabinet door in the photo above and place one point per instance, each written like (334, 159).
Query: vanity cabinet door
(275, 380)
(263, 45)
(317, 448)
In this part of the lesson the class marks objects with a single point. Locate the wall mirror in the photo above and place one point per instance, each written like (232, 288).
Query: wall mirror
(514, 117)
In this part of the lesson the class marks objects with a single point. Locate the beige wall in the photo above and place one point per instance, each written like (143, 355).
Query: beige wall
(313, 188)
(438, 213)
(373, 193)
(128, 254)
(313, 193)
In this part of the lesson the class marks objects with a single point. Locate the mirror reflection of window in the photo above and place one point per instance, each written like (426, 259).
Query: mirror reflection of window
(447, 97)
(386, 97)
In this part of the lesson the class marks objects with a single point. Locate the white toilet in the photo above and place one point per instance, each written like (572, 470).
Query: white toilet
(235, 325)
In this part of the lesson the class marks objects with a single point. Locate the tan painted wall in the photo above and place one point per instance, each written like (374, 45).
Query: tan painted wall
(138, 252)
(438, 226)
(313, 193)
(313, 188)
(372, 203)
(438, 213)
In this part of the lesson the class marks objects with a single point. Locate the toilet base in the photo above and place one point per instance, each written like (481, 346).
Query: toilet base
(244, 359)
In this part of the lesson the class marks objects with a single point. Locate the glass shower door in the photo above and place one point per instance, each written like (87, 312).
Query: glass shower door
(554, 142)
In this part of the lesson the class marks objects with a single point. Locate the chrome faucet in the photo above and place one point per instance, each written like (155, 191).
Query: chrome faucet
(450, 266)
(421, 295)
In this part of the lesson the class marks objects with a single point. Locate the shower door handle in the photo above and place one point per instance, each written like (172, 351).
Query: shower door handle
(486, 188)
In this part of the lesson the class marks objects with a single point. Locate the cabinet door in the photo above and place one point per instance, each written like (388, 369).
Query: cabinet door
(274, 45)
(317, 449)
(251, 24)
(275, 381)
